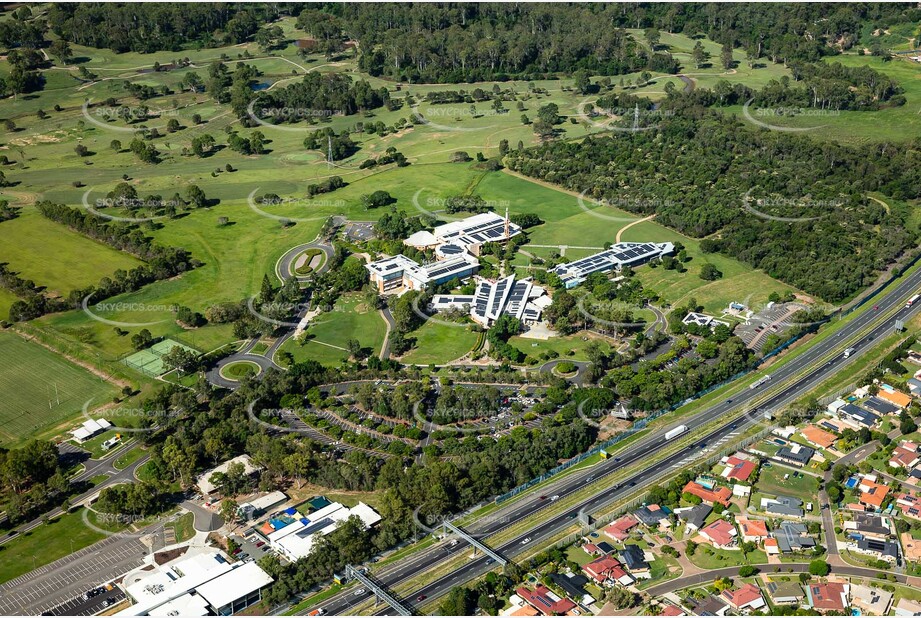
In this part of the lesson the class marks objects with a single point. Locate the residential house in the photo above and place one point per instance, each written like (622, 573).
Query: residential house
(914, 386)
(721, 534)
(786, 593)
(545, 601)
(694, 517)
(786, 506)
(793, 536)
(872, 494)
(753, 530)
(738, 469)
(897, 398)
(868, 525)
(873, 601)
(620, 529)
(828, 597)
(911, 549)
(748, 597)
(653, 516)
(574, 587)
(671, 610)
(905, 455)
(818, 437)
(711, 606)
(857, 417)
(914, 477)
(880, 406)
(907, 607)
(634, 558)
(910, 504)
(795, 454)
(607, 571)
(720, 495)
(881, 550)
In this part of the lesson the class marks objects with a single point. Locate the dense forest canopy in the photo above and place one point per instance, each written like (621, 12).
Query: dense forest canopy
(457, 42)
(815, 230)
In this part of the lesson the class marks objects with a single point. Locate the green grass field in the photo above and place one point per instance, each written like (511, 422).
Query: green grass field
(571, 347)
(439, 343)
(41, 389)
(239, 370)
(771, 481)
(45, 544)
(56, 257)
(328, 335)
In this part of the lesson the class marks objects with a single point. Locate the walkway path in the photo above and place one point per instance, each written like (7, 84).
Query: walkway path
(621, 231)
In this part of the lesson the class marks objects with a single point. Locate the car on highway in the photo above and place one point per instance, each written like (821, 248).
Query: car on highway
(555, 498)
(542, 498)
(526, 540)
(421, 598)
(360, 592)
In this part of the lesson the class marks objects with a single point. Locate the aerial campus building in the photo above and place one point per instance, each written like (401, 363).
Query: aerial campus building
(520, 299)
(456, 246)
(203, 582)
(621, 255)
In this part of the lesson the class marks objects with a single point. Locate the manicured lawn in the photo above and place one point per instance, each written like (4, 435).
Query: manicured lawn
(45, 544)
(578, 555)
(41, 390)
(439, 343)
(129, 457)
(54, 256)
(183, 527)
(707, 557)
(239, 370)
(328, 335)
(771, 481)
(571, 347)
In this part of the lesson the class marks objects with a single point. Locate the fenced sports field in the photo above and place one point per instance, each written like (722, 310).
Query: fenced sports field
(149, 361)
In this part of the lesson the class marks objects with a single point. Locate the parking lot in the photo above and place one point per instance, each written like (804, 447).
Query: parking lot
(359, 230)
(78, 606)
(61, 581)
(249, 549)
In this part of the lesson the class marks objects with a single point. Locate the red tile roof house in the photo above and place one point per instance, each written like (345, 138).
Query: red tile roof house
(671, 610)
(746, 597)
(830, 597)
(607, 571)
(910, 504)
(720, 494)
(545, 601)
(721, 534)
(620, 529)
(904, 457)
(872, 494)
(753, 530)
(738, 469)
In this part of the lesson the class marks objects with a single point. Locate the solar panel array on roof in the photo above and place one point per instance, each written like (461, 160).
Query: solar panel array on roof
(880, 405)
(618, 256)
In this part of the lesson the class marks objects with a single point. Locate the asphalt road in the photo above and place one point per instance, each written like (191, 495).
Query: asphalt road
(797, 370)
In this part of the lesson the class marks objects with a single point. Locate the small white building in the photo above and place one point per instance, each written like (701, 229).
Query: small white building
(90, 428)
(204, 481)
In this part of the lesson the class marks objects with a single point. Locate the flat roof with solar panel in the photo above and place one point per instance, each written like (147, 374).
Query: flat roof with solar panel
(618, 256)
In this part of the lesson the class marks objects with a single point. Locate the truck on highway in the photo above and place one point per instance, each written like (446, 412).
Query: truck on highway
(912, 300)
(759, 382)
(848, 352)
(673, 433)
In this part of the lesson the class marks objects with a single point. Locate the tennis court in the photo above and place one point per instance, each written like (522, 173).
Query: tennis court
(149, 361)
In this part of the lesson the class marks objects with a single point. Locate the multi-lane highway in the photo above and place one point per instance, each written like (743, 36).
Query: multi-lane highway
(802, 373)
